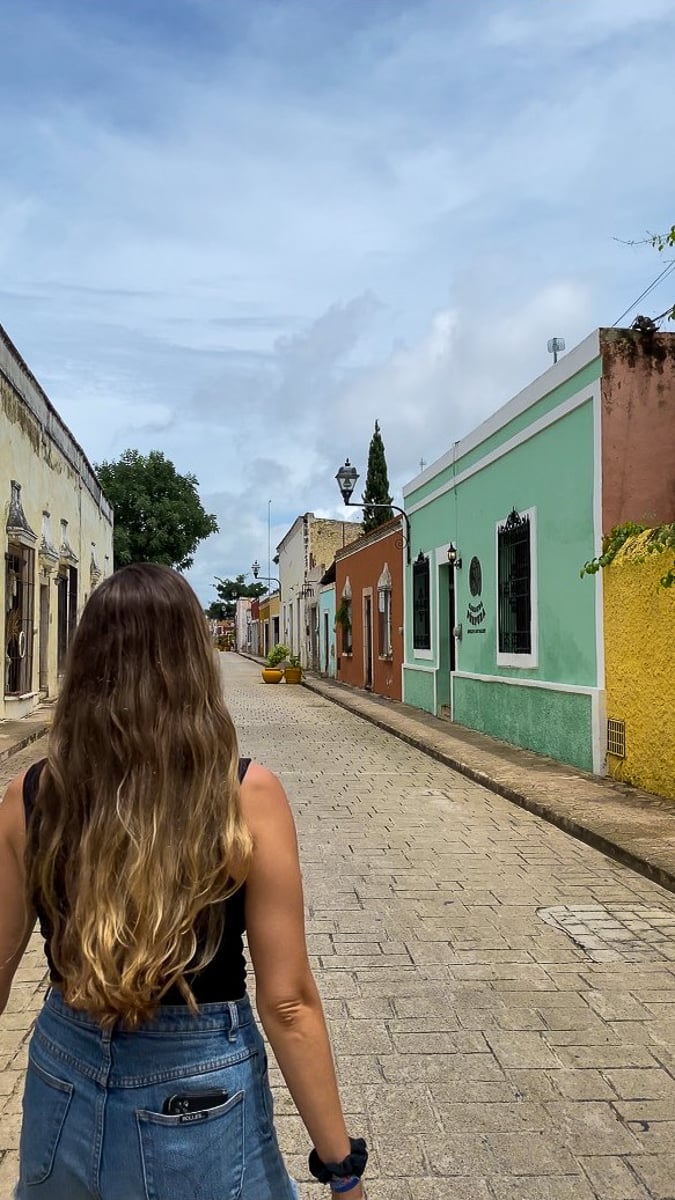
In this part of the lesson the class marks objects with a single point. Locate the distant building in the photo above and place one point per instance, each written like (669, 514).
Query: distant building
(304, 554)
(58, 528)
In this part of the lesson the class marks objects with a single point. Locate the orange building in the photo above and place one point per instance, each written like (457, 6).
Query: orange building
(369, 611)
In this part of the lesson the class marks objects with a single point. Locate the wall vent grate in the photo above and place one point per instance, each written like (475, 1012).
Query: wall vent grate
(616, 738)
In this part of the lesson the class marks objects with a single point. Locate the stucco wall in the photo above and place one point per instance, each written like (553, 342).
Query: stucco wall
(638, 428)
(556, 724)
(37, 450)
(639, 642)
(364, 563)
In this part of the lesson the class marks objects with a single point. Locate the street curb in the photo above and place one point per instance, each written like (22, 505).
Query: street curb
(570, 825)
(36, 733)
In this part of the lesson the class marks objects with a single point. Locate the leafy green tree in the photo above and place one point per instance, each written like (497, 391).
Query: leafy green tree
(230, 590)
(158, 514)
(377, 485)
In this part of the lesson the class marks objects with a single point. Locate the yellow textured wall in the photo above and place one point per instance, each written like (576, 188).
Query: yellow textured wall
(639, 656)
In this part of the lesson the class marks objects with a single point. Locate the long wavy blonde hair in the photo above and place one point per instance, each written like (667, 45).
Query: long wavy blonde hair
(137, 835)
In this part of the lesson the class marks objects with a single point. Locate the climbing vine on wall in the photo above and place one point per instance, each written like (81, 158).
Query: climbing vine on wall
(660, 540)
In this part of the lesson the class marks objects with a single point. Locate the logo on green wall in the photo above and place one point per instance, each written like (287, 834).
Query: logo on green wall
(475, 613)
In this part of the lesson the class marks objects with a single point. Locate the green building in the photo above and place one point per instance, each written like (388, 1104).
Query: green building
(501, 634)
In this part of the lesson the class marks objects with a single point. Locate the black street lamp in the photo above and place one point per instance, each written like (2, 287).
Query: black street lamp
(347, 478)
(255, 567)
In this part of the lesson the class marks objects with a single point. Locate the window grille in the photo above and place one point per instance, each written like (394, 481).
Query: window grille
(421, 605)
(616, 737)
(515, 585)
(384, 609)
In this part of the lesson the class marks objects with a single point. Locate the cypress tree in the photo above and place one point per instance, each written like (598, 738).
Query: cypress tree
(377, 485)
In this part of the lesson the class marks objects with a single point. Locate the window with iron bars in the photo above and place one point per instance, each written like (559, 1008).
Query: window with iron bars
(515, 585)
(421, 605)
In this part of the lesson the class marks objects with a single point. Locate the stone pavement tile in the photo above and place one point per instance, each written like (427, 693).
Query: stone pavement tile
(606, 1057)
(611, 1179)
(9, 1174)
(10, 1129)
(521, 1050)
(552, 1187)
(463, 1042)
(654, 1137)
(638, 1084)
(438, 1068)
(613, 1006)
(582, 1085)
(445, 1189)
(400, 1108)
(591, 1128)
(530, 1083)
(496, 1116)
(398, 1154)
(389, 1189)
(657, 1172)
(641, 1111)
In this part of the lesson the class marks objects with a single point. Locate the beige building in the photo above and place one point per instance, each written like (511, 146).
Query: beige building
(304, 554)
(57, 531)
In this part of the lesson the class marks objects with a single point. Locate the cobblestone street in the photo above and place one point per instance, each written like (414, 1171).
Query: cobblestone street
(501, 997)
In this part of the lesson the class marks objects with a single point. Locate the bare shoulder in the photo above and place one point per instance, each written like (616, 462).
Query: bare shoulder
(263, 799)
(12, 814)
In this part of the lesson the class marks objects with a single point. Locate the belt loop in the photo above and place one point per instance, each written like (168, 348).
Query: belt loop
(234, 1021)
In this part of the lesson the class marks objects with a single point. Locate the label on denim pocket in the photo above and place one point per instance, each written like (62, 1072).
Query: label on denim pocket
(194, 1116)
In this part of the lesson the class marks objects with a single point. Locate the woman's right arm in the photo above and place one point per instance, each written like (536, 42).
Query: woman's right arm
(286, 995)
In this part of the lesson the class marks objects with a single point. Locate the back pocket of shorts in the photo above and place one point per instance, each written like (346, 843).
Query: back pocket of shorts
(45, 1103)
(197, 1158)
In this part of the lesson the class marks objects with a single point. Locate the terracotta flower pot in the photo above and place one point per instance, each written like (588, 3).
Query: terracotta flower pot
(293, 674)
(272, 674)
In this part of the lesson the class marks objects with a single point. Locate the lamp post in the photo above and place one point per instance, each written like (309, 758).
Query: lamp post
(255, 567)
(347, 478)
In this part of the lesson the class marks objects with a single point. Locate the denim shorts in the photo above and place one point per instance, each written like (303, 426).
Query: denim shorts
(93, 1126)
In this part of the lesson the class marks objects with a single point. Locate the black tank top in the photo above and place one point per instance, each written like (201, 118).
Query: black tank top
(224, 978)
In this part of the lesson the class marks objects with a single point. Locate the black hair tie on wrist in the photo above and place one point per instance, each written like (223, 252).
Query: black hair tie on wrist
(353, 1164)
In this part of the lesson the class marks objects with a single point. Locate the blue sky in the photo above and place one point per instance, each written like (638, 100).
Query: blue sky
(240, 232)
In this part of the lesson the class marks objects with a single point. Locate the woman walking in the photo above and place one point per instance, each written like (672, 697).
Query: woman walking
(146, 848)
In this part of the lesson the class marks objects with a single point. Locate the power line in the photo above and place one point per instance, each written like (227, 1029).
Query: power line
(662, 275)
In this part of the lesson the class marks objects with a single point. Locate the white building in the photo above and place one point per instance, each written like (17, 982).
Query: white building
(58, 529)
(304, 554)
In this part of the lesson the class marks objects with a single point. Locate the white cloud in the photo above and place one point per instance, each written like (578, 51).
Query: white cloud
(242, 237)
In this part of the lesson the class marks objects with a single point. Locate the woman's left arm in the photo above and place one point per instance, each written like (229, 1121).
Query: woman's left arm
(16, 923)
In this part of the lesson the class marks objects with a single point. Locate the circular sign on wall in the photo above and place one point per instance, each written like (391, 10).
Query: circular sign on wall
(475, 577)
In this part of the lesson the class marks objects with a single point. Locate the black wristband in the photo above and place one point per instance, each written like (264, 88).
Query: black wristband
(353, 1164)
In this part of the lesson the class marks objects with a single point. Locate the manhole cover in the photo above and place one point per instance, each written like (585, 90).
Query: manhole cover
(616, 932)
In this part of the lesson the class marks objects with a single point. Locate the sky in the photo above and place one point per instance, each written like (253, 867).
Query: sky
(240, 231)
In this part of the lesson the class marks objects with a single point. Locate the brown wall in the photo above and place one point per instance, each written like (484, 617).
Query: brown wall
(638, 428)
(364, 563)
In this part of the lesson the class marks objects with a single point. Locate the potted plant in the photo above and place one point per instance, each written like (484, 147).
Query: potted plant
(273, 670)
(293, 672)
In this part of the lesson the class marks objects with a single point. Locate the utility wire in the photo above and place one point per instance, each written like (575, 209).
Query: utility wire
(662, 275)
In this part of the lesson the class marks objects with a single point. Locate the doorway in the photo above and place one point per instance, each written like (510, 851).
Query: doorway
(43, 677)
(368, 641)
(326, 643)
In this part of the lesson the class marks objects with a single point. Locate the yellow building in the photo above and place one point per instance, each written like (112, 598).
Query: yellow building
(269, 611)
(640, 680)
(57, 531)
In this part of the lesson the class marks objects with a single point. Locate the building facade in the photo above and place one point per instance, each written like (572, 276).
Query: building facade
(502, 635)
(327, 638)
(369, 611)
(639, 651)
(304, 554)
(58, 529)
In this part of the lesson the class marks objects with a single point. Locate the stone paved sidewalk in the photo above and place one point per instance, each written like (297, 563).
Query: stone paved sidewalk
(501, 997)
(632, 825)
